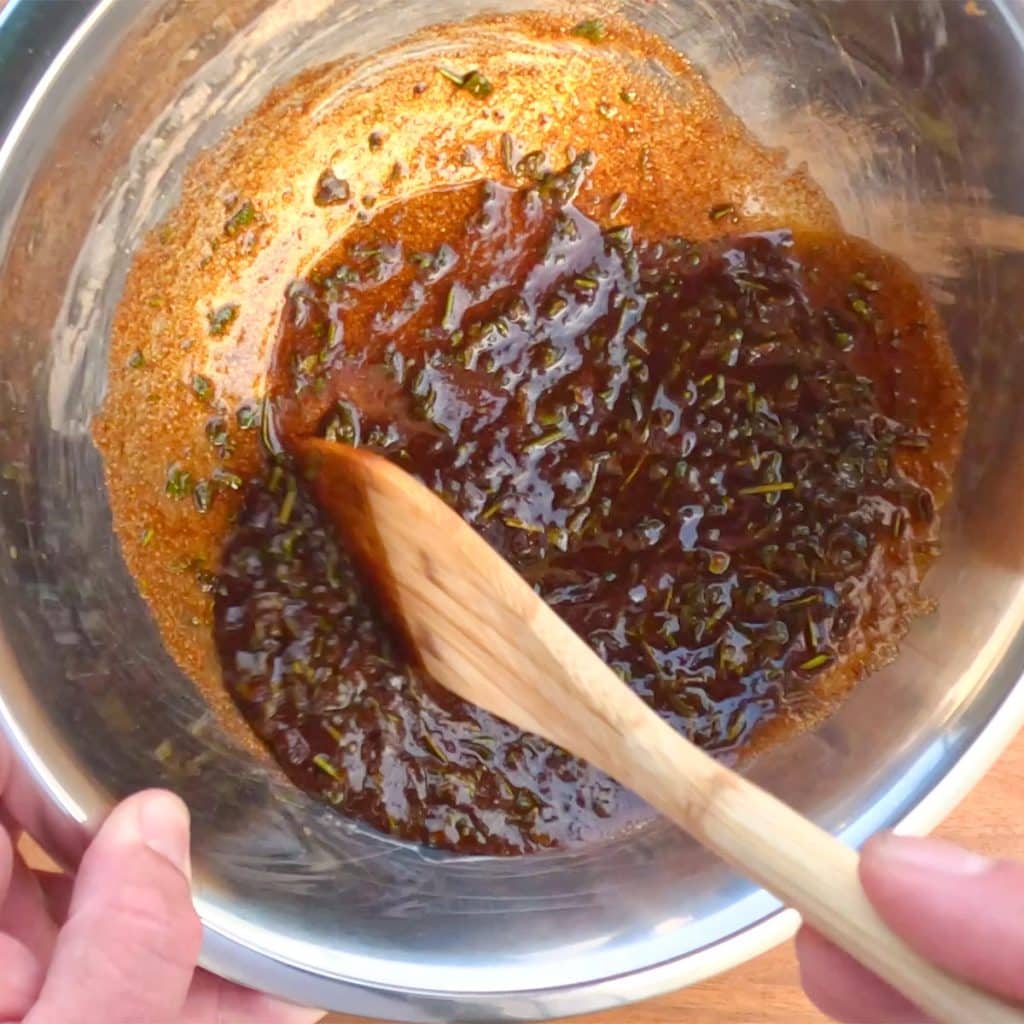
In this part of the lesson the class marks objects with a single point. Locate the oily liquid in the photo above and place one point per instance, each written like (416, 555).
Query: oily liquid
(720, 462)
(709, 427)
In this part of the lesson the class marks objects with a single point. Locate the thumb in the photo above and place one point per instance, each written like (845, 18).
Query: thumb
(129, 948)
(962, 911)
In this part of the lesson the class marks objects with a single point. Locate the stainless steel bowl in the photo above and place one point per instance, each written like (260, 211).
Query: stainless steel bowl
(907, 112)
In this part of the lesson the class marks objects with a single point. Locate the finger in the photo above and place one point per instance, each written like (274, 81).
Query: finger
(132, 938)
(23, 911)
(20, 979)
(5, 765)
(22, 806)
(57, 889)
(845, 991)
(962, 911)
(6, 863)
(215, 1001)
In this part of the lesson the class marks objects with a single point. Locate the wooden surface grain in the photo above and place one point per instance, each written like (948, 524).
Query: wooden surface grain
(767, 990)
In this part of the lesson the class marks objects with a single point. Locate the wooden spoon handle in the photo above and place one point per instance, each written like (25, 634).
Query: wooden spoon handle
(800, 863)
(527, 665)
(767, 840)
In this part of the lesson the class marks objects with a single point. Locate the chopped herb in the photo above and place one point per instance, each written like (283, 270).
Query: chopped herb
(769, 488)
(545, 440)
(818, 661)
(137, 360)
(722, 210)
(867, 283)
(323, 762)
(472, 82)
(508, 153)
(218, 436)
(178, 483)
(288, 504)
(593, 29)
(241, 218)
(247, 417)
(628, 95)
(861, 307)
(202, 496)
(515, 523)
(222, 318)
(224, 478)
(449, 322)
(202, 387)
(146, 537)
(268, 435)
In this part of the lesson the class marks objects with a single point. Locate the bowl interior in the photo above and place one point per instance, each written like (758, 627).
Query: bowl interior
(901, 110)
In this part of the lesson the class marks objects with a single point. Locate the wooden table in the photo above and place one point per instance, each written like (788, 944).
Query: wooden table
(767, 990)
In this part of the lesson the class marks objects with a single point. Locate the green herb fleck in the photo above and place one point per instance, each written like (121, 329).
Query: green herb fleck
(818, 661)
(288, 504)
(179, 482)
(218, 436)
(593, 29)
(771, 488)
(241, 218)
(137, 360)
(323, 762)
(722, 210)
(515, 523)
(545, 440)
(508, 153)
(861, 307)
(202, 496)
(472, 82)
(202, 387)
(224, 478)
(146, 538)
(449, 322)
(247, 417)
(222, 318)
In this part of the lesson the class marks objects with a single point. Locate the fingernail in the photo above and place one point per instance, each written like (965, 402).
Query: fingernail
(932, 855)
(164, 828)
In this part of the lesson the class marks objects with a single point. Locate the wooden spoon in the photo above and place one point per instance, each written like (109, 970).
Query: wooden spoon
(480, 630)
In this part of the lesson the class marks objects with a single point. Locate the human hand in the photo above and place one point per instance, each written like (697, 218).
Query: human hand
(962, 911)
(118, 943)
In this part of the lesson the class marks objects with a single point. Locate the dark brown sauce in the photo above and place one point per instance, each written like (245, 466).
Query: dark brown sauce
(720, 462)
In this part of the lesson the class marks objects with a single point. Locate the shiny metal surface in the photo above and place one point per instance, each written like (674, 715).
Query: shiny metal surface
(905, 111)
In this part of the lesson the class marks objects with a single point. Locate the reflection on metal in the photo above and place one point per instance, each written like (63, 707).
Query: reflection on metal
(900, 109)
